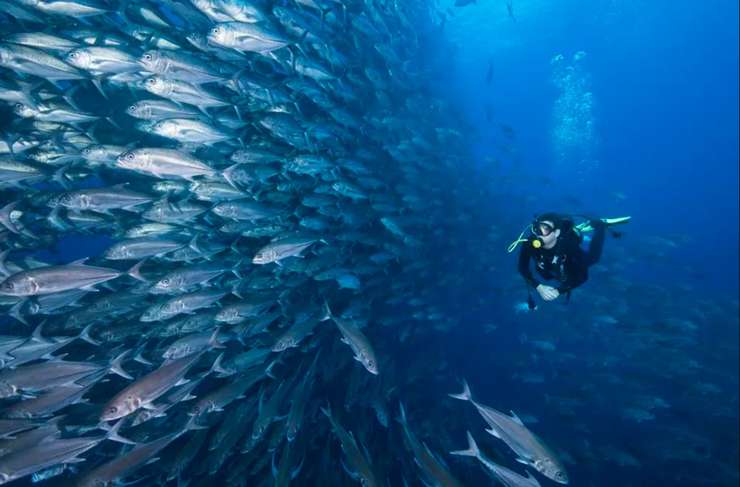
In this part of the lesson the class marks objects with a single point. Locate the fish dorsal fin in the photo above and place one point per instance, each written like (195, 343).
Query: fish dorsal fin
(36, 336)
(79, 261)
(516, 418)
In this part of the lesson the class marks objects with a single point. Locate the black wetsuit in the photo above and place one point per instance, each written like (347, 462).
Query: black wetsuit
(566, 262)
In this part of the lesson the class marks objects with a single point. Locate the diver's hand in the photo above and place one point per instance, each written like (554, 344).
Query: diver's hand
(548, 293)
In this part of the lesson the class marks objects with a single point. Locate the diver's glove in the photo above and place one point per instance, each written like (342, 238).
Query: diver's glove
(548, 293)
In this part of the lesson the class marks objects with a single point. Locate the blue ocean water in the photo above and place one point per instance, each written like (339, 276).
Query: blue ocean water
(616, 108)
(602, 108)
(663, 81)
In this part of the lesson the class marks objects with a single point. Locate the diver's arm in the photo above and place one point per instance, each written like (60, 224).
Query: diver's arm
(524, 254)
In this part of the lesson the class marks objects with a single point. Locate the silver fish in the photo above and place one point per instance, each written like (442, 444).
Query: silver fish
(507, 477)
(510, 429)
(163, 163)
(282, 249)
(147, 389)
(246, 37)
(54, 279)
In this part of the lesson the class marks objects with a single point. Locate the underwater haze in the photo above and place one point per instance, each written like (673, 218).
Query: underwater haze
(253, 242)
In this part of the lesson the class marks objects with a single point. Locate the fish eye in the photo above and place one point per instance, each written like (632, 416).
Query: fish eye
(112, 410)
(130, 156)
(148, 57)
(151, 81)
(215, 30)
(132, 108)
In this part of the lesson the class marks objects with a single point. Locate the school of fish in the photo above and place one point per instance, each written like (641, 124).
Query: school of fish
(266, 199)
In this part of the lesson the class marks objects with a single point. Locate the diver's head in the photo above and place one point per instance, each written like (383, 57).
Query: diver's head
(547, 229)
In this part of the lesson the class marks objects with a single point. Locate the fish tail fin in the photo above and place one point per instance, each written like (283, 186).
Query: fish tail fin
(268, 370)
(59, 175)
(135, 271)
(4, 271)
(213, 341)
(36, 334)
(139, 357)
(112, 433)
(5, 219)
(193, 243)
(327, 312)
(85, 336)
(218, 369)
(227, 174)
(16, 312)
(116, 368)
(465, 395)
(191, 425)
(472, 450)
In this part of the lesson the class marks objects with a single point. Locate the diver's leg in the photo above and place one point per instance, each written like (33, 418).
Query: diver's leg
(597, 242)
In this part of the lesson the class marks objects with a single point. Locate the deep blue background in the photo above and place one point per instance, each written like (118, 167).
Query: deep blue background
(664, 78)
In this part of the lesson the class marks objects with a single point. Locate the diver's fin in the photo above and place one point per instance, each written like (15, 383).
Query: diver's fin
(616, 221)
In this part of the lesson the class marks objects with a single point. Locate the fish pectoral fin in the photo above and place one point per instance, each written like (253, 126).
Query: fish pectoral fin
(181, 382)
(516, 418)
(351, 473)
(522, 461)
(74, 460)
(493, 432)
(294, 473)
(149, 406)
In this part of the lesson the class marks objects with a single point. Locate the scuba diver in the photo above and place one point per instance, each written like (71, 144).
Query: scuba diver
(555, 247)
